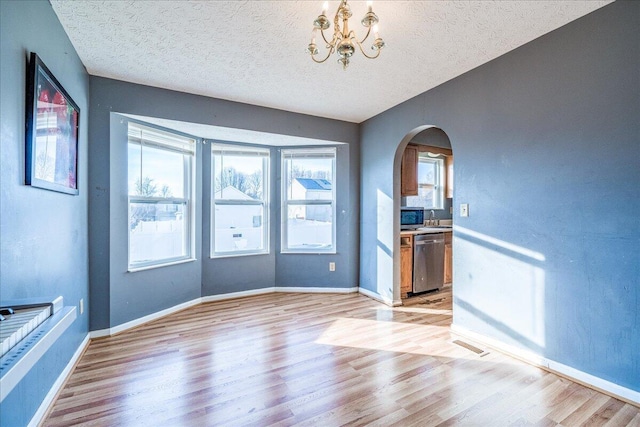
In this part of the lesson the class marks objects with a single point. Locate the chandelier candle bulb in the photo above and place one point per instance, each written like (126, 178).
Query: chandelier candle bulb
(370, 6)
(375, 31)
(325, 7)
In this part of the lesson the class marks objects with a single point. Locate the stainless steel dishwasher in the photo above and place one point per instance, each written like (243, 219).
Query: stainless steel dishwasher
(428, 262)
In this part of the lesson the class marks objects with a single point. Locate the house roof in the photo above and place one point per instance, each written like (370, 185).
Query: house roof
(232, 193)
(314, 184)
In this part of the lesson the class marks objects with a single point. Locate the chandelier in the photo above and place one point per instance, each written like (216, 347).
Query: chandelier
(344, 41)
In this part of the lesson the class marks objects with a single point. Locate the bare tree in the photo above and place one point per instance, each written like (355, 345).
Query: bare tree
(143, 211)
(253, 185)
(166, 191)
(230, 177)
(146, 187)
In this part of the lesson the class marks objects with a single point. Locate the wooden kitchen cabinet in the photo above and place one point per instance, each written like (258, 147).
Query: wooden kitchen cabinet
(406, 265)
(409, 172)
(448, 258)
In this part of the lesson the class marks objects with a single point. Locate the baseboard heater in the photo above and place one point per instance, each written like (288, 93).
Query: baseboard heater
(27, 330)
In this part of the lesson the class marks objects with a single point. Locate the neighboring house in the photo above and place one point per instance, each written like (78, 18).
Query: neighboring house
(237, 227)
(312, 189)
(231, 193)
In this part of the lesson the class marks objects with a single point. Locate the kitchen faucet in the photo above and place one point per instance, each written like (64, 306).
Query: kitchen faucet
(432, 217)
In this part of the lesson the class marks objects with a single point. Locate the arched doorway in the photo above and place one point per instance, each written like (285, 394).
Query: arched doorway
(429, 136)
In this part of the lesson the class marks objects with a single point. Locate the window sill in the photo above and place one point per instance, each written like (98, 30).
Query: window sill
(239, 254)
(310, 252)
(166, 264)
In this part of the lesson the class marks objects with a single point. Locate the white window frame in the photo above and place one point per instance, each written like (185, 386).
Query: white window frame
(159, 139)
(232, 149)
(325, 152)
(437, 186)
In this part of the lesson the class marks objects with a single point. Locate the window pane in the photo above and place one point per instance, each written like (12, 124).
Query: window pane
(425, 198)
(239, 228)
(309, 226)
(238, 177)
(426, 172)
(158, 231)
(309, 178)
(154, 172)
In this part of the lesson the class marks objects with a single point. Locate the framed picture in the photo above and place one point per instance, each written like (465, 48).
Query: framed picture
(53, 121)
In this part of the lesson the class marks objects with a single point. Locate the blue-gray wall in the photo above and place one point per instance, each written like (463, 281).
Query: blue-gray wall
(43, 234)
(546, 141)
(118, 296)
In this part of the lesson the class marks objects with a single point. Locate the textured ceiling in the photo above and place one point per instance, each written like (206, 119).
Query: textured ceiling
(254, 51)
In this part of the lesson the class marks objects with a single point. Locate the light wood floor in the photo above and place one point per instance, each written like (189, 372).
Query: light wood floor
(316, 360)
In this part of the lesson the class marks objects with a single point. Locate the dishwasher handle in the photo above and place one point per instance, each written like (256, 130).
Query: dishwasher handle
(428, 241)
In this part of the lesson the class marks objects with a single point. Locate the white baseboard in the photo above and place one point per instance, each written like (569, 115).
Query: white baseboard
(379, 298)
(318, 290)
(240, 294)
(314, 290)
(142, 320)
(57, 386)
(588, 380)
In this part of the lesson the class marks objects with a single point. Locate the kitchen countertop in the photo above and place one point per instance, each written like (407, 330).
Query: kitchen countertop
(426, 230)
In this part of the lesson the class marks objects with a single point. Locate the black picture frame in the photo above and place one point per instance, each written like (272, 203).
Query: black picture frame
(52, 126)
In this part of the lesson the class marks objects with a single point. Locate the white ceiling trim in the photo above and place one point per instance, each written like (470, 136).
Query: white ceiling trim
(224, 134)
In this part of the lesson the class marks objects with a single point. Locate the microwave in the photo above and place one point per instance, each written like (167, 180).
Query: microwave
(411, 218)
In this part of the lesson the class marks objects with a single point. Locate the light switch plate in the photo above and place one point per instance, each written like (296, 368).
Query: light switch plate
(464, 209)
(332, 266)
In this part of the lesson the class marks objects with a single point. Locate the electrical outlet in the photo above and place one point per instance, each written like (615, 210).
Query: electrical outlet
(332, 266)
(464, 209)
(81, 305)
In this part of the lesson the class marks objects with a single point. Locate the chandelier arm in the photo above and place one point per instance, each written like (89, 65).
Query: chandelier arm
(364, 53)
(324, 37)
(365, 36)
(323, 60)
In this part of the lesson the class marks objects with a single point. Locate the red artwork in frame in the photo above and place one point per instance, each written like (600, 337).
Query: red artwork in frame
(53, 120)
